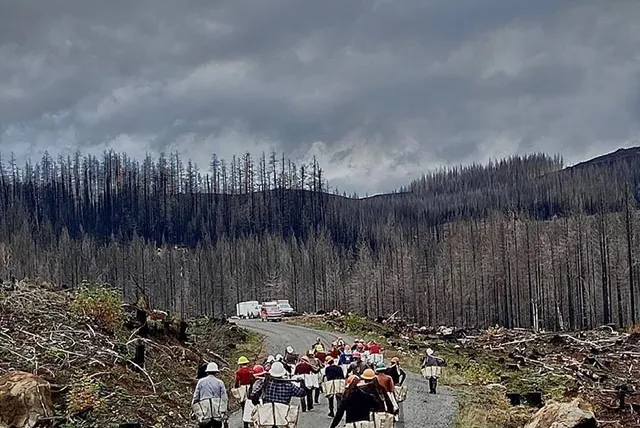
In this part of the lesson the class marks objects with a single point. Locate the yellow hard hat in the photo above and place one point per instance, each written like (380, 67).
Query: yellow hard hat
(243, 360)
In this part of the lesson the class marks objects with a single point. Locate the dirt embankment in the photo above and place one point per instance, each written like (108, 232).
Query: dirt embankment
(88, 346)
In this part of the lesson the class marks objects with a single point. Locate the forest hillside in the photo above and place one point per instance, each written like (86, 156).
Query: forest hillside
(520, 242)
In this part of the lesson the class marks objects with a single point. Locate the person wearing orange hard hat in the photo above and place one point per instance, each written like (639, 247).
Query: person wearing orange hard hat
(396, 372)
(305, 370)
(362, 397)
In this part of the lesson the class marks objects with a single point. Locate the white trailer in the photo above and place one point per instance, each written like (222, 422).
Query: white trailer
(250, 309)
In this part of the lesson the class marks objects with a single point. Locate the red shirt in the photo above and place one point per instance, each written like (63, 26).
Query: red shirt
(244, 376)
(335, 353)
(321, 356)
(303, 368)
(374, 348)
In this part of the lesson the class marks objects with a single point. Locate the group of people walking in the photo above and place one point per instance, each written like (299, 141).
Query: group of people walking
(357, 384)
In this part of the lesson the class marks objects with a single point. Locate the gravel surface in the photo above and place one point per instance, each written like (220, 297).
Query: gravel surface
(421, 410)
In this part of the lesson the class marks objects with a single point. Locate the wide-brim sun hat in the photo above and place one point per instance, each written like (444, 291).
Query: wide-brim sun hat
(290, 349)
(277, 370)
(212, 368)
(429, 351)
(328, 359)
(305, 358)
(368, 374)
(380, 367)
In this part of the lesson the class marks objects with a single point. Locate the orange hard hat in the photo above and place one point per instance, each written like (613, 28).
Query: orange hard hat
(350, 379)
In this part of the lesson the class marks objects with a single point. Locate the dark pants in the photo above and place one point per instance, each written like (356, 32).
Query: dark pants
(337, 399)
(307, 401)
(433, 384)
(212, 424)
(317, 395)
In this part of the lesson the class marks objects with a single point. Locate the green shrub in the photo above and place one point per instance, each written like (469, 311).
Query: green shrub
(355, 322)
(100, 304)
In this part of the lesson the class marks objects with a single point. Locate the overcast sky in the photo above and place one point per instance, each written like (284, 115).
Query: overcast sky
(380, 91)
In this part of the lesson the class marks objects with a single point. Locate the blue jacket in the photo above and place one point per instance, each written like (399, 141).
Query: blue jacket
(345, 359)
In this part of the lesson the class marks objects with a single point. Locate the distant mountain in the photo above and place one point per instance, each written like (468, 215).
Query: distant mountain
(629, 155)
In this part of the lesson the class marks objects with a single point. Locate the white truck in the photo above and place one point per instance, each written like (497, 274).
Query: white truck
(285, 307)
(249, 309)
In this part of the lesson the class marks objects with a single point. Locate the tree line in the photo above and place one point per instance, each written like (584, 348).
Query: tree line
(521, 242)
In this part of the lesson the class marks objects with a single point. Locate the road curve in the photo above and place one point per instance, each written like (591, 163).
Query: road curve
(421, 410)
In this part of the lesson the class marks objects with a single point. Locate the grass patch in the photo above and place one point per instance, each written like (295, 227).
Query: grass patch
(482, 407)
(314, 322)
(253, 348)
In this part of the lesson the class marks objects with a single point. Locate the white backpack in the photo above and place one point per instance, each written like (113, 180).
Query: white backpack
(431, 371)
(333, 387)
(240, 393)
(210, 409)
(279, 415)
(401, 393)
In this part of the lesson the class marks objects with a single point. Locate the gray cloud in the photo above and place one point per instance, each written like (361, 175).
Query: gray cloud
(380, 91)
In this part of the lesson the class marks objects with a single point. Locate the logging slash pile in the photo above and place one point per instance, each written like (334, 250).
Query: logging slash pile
(601, 367)
(104, 367)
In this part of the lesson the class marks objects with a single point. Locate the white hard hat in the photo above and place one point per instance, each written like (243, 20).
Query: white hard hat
(279, 357)
(212, 368)
(270, 359)
(277, 370)
(429, 351)
(290, 349)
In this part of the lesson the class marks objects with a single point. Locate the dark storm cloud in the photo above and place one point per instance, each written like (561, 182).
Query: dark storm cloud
(379, 91)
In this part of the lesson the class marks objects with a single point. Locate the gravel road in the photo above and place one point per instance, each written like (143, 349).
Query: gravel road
(421, 410)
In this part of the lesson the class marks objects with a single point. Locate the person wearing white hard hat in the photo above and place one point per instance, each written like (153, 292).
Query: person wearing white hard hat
(267, 363)
(280, 359)
(275, 389)
(430, 360)
(290, 357)
(210, 388)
